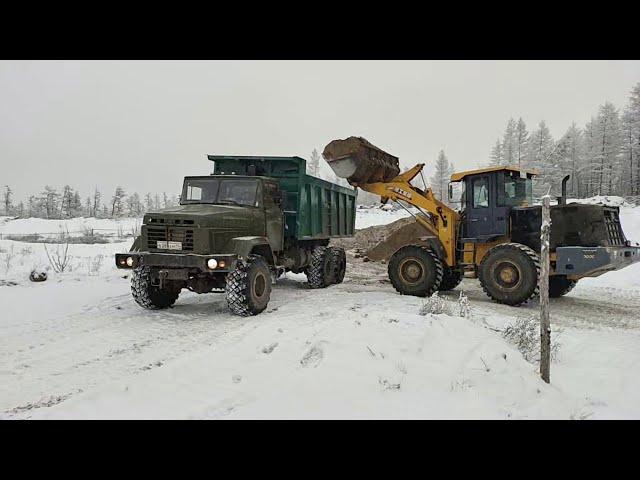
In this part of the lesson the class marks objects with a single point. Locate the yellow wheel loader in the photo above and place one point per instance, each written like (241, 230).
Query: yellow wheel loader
(494, 235)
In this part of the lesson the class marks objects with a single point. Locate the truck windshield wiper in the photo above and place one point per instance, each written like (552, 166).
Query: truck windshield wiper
(230, 202)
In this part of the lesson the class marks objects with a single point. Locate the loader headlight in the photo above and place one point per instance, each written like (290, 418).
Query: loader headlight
(129, 261)
(212, 263)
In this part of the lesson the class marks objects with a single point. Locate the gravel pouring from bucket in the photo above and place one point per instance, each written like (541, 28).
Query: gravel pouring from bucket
(360, 162)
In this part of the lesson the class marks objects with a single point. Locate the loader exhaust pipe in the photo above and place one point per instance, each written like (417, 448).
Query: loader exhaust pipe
(562, 200)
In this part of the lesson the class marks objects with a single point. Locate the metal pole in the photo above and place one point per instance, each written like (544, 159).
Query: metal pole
(545, 326)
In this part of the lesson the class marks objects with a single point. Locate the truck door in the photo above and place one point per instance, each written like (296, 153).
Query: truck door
(479, 221)
(274, 216)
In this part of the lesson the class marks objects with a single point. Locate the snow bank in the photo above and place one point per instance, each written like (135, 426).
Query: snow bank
(375, 359)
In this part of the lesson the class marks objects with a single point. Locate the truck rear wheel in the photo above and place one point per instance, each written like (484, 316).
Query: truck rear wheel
(415, 270)
(319, 270)
(248, 287)
(149, 296)
(337, 265)
(509, 273)
(560, 285)
(450, 279)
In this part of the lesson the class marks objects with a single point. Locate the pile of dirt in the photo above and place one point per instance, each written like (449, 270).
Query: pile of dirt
(379, 242)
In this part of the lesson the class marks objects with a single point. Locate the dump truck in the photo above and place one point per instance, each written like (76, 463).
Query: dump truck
(494, 235)
(237, 230)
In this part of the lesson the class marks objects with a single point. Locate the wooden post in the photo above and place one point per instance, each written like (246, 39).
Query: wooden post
(543, 282)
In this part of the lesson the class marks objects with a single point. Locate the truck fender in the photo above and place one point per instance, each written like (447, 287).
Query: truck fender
(244, 246)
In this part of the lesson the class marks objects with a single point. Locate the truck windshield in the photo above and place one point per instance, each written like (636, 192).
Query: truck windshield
(225, 191)
(514, 191)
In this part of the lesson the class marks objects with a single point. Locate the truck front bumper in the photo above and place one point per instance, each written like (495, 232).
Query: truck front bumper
(190, 261)
(578, 262)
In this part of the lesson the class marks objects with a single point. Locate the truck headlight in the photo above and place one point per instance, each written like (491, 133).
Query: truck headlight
(212, 263)
(129, 261)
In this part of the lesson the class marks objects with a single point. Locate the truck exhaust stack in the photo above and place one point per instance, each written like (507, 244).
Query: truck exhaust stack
(360, 162)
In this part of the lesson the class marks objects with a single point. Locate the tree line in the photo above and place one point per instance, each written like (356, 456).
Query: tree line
(603, 157)
(68, 203)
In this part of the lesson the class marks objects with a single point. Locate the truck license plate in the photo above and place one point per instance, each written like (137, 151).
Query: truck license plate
(162, 245)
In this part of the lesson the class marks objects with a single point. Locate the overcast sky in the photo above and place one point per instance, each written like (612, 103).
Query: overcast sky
(146, 124)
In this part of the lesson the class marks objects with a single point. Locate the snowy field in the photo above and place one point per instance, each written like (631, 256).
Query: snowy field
(77, 346)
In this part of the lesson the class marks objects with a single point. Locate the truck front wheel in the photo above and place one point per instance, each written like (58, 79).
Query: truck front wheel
(149, 296)
(248, 287)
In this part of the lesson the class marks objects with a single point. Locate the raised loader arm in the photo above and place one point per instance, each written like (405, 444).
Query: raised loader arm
(442, 220)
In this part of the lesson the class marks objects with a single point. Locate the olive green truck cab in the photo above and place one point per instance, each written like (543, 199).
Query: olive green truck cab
(237, 230)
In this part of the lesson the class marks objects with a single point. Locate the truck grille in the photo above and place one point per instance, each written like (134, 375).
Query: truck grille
(614, 229)
(171, 234)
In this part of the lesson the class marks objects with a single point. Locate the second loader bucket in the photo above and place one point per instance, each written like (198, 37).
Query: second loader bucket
(360, 162)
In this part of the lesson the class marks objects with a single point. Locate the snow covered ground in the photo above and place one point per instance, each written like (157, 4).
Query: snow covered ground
(77, 346)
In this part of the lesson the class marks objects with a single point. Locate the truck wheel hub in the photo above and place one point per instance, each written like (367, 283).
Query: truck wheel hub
(259, 286)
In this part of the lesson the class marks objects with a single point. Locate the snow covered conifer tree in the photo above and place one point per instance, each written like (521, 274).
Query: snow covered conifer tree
(97, 197)
(117, 204)
(313, 167)
(497, 157)
(607, 149)
(509, 143)
(521, 143)
(541, 146)
(440, 179)
(6, 199)
(631, 144)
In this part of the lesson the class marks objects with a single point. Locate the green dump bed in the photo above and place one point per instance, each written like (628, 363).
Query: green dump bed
(314, 208)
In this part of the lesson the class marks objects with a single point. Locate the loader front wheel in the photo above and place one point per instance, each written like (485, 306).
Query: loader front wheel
(415, 270)
(248, 287)
(509, 273)
(560, 285)
(450, 280)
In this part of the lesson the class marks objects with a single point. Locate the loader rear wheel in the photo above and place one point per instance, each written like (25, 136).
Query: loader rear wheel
(560, 285)
(450, 279)
(149, 296)
(415, 270)
(509, 273)
(248, 287)
(337, 265)
(319, 270)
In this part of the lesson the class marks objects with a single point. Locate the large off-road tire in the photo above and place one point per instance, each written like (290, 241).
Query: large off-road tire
(509, 273)
(319, 270)
(337, 265)
(248, 287)
(450, 280)
(149, 296)
(560, 285)
(415, 270)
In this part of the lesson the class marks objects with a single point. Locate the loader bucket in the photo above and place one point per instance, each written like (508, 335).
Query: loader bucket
(360, 162)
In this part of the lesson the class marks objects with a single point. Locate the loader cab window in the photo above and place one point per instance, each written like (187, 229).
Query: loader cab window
(513, 190)
(480, 192)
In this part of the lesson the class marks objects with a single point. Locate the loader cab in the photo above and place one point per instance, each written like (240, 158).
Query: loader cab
(486, 197)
